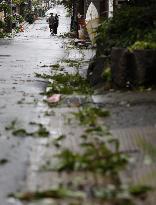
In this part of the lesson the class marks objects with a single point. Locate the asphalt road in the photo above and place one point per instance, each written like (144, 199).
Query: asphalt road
(20, 98)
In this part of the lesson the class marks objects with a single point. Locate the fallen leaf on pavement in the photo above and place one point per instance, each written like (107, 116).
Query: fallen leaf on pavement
(54, 98)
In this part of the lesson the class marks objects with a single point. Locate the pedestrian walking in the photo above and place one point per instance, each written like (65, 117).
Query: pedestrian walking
(56, 23)
(51, 23)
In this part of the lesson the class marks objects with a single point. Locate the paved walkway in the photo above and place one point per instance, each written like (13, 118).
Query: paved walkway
(132, 120)
(20, 98)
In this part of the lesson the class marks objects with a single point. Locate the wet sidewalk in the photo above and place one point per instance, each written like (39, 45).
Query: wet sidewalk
(20, 97)
(44, 130)
(132, 121)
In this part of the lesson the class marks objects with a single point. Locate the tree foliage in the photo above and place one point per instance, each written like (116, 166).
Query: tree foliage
(19, 2)
(5, 7)
(67, 3)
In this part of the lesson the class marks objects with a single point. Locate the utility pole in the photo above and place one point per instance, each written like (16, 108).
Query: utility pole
(9, 21)
(74, 20)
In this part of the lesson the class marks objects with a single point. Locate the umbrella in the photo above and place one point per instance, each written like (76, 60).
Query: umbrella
(92, 12)
(54, 11)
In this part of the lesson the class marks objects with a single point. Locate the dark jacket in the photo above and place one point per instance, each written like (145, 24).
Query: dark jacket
(51, 20)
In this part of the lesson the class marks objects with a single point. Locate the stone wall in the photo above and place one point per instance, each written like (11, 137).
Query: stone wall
(130, 69)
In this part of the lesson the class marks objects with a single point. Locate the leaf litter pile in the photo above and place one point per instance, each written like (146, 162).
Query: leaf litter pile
(66, 84)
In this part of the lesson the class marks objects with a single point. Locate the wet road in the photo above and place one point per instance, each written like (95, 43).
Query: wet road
(20, 98)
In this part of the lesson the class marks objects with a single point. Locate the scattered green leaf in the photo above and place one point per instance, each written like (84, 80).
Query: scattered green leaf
(3, 161)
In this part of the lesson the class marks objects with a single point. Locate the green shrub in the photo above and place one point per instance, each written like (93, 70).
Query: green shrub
(142, 45)
(3, 34)
(151, 36)
(2, 24)
(128, 25)
(30, 18)
(21, 19)
(5, 7)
